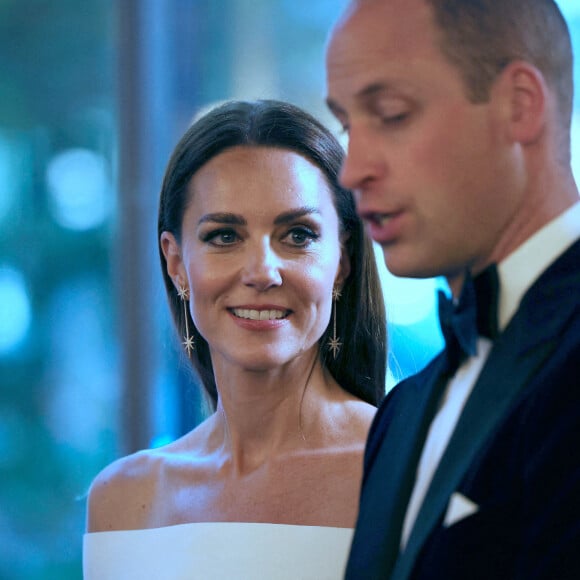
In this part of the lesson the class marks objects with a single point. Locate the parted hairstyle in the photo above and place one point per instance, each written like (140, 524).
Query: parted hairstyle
(482, 37)
(360, 365)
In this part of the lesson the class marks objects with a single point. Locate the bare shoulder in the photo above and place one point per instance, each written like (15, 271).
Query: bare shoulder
(136, 491)
(119, 488)
(349, 420)
(359, 415)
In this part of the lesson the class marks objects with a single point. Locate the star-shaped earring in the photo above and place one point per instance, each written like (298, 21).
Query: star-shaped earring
(334, 342)
(334, 345)
(188, 344)
(183, 292)
(188, 341)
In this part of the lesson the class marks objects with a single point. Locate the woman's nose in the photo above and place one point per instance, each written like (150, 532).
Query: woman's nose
(261, 269)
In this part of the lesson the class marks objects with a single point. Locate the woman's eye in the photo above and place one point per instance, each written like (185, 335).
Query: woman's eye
(301, 236)
(222, 237)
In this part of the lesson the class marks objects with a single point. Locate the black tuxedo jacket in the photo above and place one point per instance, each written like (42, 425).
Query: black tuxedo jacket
(513, 459)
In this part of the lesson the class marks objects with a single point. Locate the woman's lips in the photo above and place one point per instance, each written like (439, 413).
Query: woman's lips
(259, 317)
(259, 314)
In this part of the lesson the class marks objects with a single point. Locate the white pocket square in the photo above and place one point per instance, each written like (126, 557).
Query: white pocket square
(459, 508)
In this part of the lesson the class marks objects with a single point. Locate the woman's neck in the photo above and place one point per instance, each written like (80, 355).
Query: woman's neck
(262, 415)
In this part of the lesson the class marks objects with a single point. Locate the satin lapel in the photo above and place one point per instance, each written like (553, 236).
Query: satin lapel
(377, 535)
(524, 346)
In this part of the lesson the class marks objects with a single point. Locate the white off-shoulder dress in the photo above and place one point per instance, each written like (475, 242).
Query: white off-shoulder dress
(221, 551)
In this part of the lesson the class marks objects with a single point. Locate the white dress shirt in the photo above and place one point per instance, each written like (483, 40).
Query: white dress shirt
(517, 273)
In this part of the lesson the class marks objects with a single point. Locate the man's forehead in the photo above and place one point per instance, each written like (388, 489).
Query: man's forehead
(381, 19)
(374, 32)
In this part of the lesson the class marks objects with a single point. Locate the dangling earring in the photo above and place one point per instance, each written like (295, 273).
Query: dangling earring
(334, 343)
(188, 340)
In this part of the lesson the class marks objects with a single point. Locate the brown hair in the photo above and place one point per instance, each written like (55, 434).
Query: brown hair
(481, 37)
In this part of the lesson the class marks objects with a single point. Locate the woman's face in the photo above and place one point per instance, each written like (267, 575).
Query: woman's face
(260, 252)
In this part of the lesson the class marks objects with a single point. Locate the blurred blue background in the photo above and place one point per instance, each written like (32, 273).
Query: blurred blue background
(93, 96)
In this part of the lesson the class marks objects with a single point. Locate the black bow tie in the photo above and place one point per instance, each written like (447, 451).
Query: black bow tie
(474, 314)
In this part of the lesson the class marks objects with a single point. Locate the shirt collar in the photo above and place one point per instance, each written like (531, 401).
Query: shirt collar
(522, 267)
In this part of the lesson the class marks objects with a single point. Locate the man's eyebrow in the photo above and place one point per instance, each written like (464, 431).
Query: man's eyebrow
(223, 218)
(293, 214)
(373, 90)
(335, 108)
(365, 94)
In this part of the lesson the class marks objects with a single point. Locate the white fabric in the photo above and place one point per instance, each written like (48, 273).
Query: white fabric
(517, 272)
(459, 508)
(221, 551)
(454, 400)
(524, 266)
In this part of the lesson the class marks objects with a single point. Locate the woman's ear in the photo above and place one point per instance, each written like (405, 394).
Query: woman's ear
(172, 252)
(343, 266)
(525, 94)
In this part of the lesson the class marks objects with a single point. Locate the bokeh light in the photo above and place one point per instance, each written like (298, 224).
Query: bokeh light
(15, 309)
(80, 189)
(7, 186)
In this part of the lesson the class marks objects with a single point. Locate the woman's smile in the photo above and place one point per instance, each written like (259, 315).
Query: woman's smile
(259, 314)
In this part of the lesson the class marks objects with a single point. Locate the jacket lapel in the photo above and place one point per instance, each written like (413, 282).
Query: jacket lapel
(523, 347)
(386, 491)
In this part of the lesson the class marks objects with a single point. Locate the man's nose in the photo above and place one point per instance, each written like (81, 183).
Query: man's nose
(262, 267)
(363, 162)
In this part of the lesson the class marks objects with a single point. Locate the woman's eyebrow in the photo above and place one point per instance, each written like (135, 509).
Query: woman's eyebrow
(238, 220)
(293, 214)
(223, 218)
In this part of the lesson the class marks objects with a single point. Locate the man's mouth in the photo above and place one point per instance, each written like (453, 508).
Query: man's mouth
(378, 219)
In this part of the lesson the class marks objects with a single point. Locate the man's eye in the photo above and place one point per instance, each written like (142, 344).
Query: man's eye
(394, 119)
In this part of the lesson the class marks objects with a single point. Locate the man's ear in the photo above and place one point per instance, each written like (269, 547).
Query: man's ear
(172, 252)
(525, 95)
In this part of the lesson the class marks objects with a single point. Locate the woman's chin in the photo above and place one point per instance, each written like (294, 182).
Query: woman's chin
(273, 360)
